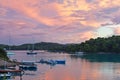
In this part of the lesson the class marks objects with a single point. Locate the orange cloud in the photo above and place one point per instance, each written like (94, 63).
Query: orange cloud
(108, 3)
(39, 12)
(76, 37)
(78, 18)
(117, 30)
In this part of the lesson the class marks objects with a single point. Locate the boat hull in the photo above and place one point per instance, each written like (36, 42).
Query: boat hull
(31, 53)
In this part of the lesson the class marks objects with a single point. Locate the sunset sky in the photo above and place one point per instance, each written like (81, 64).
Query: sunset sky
(61, 21)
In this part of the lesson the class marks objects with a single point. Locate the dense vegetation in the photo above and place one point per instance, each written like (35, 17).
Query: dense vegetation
(3, 54)
(110, 44)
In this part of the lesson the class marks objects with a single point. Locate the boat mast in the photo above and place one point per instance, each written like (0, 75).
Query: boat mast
(33, 44)
(9, 48)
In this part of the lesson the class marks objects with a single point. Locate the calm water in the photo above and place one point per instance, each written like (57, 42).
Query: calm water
(95, 67)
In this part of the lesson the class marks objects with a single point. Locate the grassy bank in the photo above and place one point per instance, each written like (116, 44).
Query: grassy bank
(3, 55)
(4, 58)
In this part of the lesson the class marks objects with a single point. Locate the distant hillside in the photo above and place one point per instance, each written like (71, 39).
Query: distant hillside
(110, 44)
(37, 46)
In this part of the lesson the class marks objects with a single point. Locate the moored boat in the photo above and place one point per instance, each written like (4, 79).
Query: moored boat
(5, 76)
(31, 53)
(52, 61)
(60, 61)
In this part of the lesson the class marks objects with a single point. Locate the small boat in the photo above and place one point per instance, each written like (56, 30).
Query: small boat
(12, 72)
(60, 61)
(28, 65)
(31, 53)
(52, 61)
(10, 53)
(5, 76)
(27, 62)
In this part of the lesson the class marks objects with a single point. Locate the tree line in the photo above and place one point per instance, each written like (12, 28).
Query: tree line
(110, 44)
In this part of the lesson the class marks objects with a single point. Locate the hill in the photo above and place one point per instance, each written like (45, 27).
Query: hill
(110, 44)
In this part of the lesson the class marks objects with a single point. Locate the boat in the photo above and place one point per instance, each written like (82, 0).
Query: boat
(9, 53)
(28, 65)
(31, 52)
(27, 62)
(53, 62)
(60, 61)
(5, 76)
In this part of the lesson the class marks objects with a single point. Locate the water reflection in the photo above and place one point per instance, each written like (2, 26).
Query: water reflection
(99, 57)
(86, 67)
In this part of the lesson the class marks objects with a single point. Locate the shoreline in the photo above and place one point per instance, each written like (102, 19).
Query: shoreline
(8, 63)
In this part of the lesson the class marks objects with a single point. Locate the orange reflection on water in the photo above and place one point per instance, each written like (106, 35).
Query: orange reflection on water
(82, 71)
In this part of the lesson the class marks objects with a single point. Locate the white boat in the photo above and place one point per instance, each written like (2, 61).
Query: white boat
(10, 53)
(5, 76)
(31, 52)
(28, 65)
(27, 62)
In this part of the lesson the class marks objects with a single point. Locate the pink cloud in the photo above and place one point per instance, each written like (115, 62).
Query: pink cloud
(67, 21)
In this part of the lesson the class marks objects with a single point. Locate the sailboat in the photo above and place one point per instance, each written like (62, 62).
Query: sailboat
(9, 53)
(31, 52)
(5, 73)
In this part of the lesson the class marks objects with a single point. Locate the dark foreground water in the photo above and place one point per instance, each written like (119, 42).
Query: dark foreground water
(88, 67)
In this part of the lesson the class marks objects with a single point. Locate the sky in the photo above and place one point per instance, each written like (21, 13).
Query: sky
(59, 21)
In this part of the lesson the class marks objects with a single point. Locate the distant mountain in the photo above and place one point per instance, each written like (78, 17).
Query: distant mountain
(37, 46)
(110, 44)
